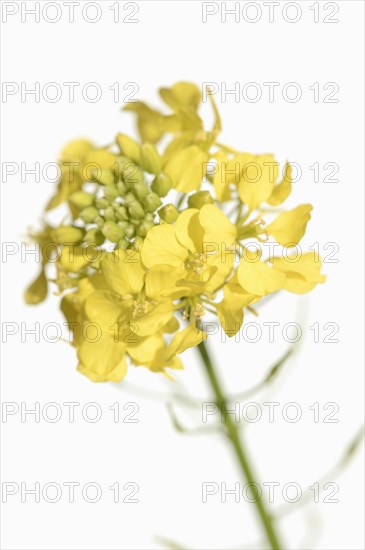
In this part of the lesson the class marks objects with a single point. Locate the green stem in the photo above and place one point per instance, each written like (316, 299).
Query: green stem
(234, 437)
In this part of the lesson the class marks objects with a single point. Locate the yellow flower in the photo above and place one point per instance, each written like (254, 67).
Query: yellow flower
(298, 274)
(191, 257)
(127, 308)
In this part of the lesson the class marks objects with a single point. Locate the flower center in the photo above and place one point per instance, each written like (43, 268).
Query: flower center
(194, 262)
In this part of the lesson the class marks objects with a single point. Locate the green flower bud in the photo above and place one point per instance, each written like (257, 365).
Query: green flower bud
(121, 213)
(111, 192)
(89, 214)
(132, 174)
(122, 244)
(136, 210)
(129, 198)
(130, 232)
(150, 158)
(94, 236)
(120, 165)
(81, 200)
(121, 188)
(162, 184)
(99, 220)
(152, 202)
(143, 228)
(140, 191)
(123, 224)
(112, 232)
(68, 234)
(109, 214)
(104, 176)
(101, 203)
(168, 213)
(200, 199)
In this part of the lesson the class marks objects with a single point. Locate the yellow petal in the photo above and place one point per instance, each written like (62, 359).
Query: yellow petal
(302, 273)
(218, 229)
(37, 290)
(162, 247)
(151, 123)
(282, 191)
(102, 158)
(76, 150)
(152, 321)
(123, 271)
(289, 227)
(231, 319)
(103, 359)
(187, 168)
(257, 277)
(237, 298)
(147, 350)
(172, 326)
(257, 180)
(161, 281)
(105, 308)
(76, 258)
(188, 230)
(186, 338)
(222, 178)
(181, 94)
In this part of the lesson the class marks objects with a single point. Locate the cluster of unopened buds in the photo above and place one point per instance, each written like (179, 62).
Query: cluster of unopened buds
(158, 234)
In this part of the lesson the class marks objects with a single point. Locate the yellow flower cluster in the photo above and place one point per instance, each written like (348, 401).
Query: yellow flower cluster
(149, 248)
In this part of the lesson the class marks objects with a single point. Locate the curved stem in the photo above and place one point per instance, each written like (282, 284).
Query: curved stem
(238, 446)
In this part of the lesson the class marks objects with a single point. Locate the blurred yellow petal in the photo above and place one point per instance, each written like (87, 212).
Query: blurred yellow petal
(75, 258)
(257, 277)
(106, 308)
(282, 191)
(257, 180)
(147, 350)
(221, 178)
(235, 297)
(151, 123)
(289, 227)
(102, 358)
(153, 320)
(181, 94)
(186, 338)
(102, 158)
(303, 273)
(37, 290)
(76, 150)
(231, 319)
(187, 168)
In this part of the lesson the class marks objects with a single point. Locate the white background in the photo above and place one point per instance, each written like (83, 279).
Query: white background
(169, 43)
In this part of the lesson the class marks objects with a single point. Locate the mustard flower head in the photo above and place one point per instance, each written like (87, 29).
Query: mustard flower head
(163, 233)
